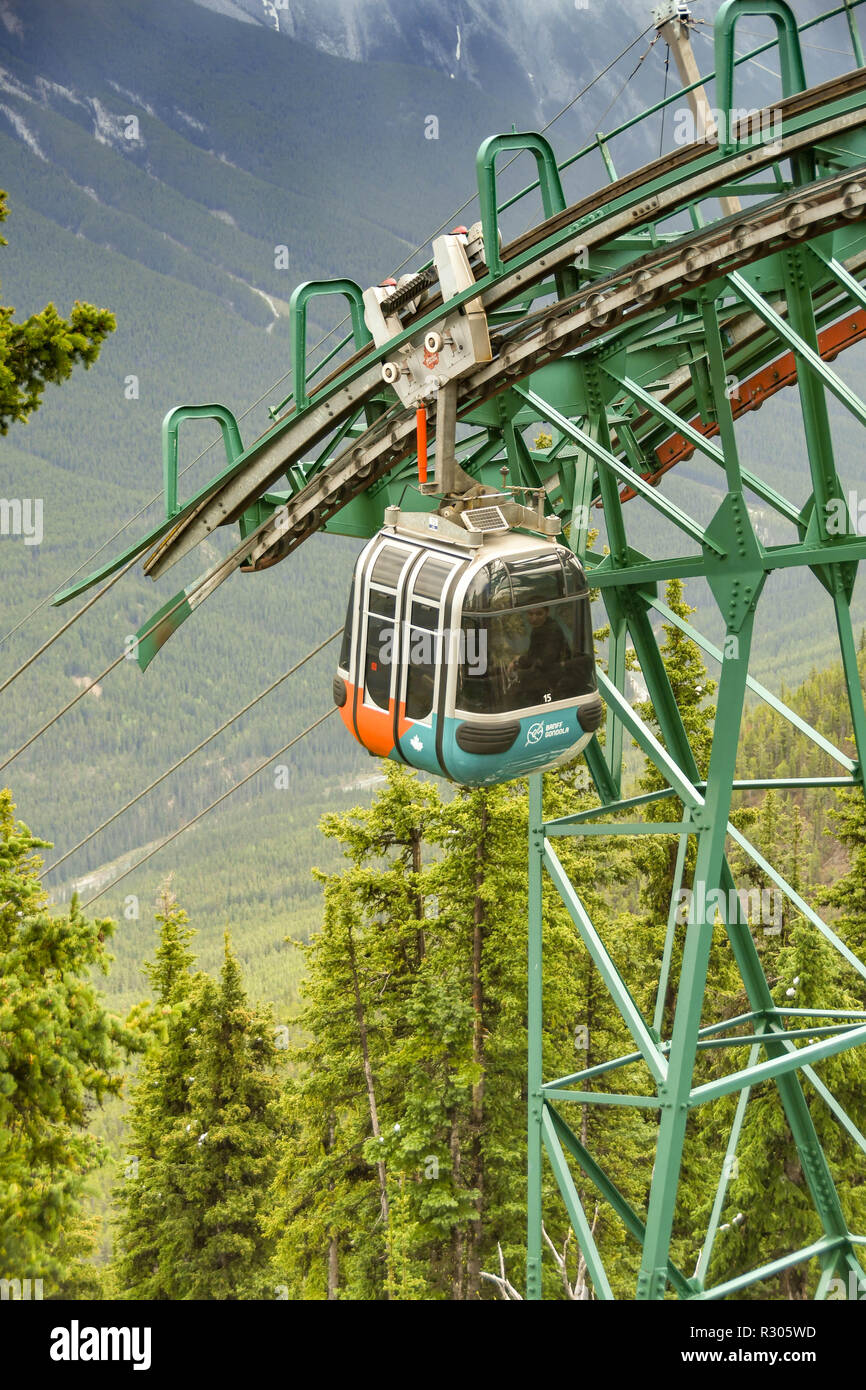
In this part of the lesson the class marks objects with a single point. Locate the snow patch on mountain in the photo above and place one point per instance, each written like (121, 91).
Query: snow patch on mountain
(10, 21)
(496, 40)
(133, 97)
(271, 305)
(43, 90)
(190, 120)
(23, 131)
(46, 89)
(11, 85)
(111, 129)
(271, 13)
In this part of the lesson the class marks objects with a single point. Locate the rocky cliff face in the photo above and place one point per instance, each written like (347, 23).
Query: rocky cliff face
(535, 48)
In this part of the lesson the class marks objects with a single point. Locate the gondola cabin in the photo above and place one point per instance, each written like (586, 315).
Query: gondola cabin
(468, 653)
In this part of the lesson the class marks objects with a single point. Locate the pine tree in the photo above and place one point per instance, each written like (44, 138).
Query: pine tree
(204, 1128)
(407, 1116)
(60, 1055)
(159, 1100)
(43, 349)
(226, 1169)
(331, 1200)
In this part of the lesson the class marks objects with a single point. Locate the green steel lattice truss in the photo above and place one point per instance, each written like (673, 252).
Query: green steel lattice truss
(735, 565)
(619, 330)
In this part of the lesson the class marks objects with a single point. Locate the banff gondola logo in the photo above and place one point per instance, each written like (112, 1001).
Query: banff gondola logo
(77, 1343)
(538, 731)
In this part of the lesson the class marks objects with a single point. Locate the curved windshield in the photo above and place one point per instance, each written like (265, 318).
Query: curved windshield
(526, 635)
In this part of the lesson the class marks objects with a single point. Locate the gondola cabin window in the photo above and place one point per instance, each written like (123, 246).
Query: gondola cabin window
(529, 617)
(381, 614)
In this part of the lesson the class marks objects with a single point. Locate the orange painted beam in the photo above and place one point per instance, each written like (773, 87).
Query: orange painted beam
(752, 394)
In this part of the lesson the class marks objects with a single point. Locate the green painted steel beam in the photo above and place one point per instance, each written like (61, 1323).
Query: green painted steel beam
(565, 1182)
(850, 664)
(231, 437)
(774, 557)
(602, 1068)
(839, 272)
(552, 196)
(603, 962)
(787, 1035)
(783, 1011)
(670, 935)
(798, 345)
(790, 53)
(675, 1093)
(608, 460)
(706, 1254)
(855, 33)
(797, 901)
(795, 784)
(601, 1098)
(534, 1025)
(770, 699)
(612, 1195)
(777, 1066)
(630, 803)
(769, 1271)
(614, 828)
(669, 417)
(301, 296)
(607, 783)
(835, 1108)
(650, 745)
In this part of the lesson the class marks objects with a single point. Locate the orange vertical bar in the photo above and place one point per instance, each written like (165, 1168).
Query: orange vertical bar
(421, 431)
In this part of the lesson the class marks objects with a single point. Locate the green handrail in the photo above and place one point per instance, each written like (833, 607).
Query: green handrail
(311, 289)
(552, 196)
(790, 53)
(231, 439)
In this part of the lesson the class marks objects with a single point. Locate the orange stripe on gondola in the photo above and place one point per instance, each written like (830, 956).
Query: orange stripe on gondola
(375, 726)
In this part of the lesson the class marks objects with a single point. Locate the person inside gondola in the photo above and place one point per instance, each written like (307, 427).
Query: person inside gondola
(537, 670)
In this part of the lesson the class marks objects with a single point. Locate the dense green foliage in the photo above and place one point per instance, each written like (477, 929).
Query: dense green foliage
(405, 1160)
(202, 1127)
(60, 1055)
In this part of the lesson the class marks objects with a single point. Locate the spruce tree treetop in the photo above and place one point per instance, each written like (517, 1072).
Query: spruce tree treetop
(204, 1126)
(43, 349)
